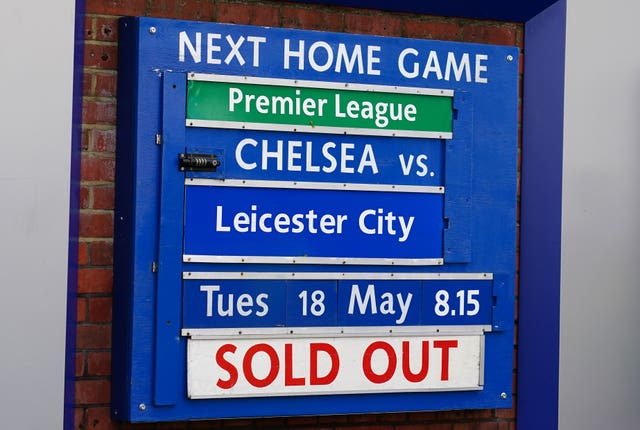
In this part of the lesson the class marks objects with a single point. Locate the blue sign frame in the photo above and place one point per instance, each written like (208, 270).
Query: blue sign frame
(477, 169)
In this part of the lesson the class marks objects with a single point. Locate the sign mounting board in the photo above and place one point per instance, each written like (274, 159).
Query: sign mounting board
(329, 218)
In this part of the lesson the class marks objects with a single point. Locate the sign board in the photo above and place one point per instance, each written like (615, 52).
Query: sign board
(327, 218)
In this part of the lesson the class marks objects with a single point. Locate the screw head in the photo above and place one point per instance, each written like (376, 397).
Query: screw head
(503, 396)
(142, 407)
(152, 30)
(509, 58)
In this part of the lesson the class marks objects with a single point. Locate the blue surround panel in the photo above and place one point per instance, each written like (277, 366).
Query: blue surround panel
(448, 238)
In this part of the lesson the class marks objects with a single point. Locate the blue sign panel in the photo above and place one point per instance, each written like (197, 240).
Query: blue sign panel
(269, 155)
(225, 303)
(245, 222)
(286, 228)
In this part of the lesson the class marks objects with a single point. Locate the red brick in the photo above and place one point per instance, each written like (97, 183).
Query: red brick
(395, 417)
(273, 423)
(508, 414)
(84, 139)
(103, 197)
(448, 416)
(432, 30)
(362, 419)
(205, 425)
(101, 253)
(94, 168)
(302, 421)
(89, 32)
(478, 414)
(520, 71)
(465, 426)
(116, 7)
(383, 25)
(100, 56)
(248, 14)
(79, 419)
(489, 34)
(96, 224)
(93, 392)
(487, 426)
(369, 427)
(87, 84)
(99, 363)
(79, 364)
(100, 419)
(182, 9)
(95, 280)
(100, 309)
(169, 426)
(98, 112)
(106, 85)
(106, 29)
(81, 310)
(441, 426)
(240, 423)
(332, 419)
(85, 198)
(93, 337)
(103, 140)
(311, 19)
(83, 254)
(420, 416)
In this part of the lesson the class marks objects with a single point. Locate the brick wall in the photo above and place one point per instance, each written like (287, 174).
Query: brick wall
(95, 277)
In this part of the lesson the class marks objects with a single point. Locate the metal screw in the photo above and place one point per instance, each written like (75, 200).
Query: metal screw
(503, 396)
(152, 30)
(509, 58)
(142, 407)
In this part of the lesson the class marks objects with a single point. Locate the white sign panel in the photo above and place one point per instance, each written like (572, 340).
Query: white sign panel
(325, 365)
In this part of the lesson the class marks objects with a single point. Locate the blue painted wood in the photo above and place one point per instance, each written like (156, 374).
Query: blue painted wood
(169, 371)
(458, 209)
(123, 228)
(74, 218)
(151, 203)
(211, 210)
(541, 224)
(503, 10)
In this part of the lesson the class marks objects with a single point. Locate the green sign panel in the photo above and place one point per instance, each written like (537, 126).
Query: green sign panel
(322, 107)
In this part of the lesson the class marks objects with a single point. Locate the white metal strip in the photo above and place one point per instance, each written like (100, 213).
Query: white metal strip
(350, 331)
(313, 185)
(374, 276)
(482, 357)
(190, 258)
(207, 123)
(319, 84)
